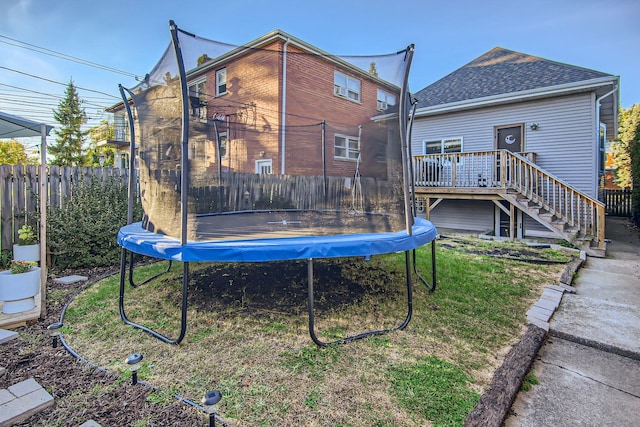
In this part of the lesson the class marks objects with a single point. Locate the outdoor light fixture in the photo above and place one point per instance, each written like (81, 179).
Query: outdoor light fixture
(209, 400)
(134, 360)
(534, 126)
(54, 333)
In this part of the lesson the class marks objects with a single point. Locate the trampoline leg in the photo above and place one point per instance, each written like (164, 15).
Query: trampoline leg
(147, 280)
(403, 325)
(431, 287)
(183, 318)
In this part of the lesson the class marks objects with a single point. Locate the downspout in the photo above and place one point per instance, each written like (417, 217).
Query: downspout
(598, 101)
(283, 120)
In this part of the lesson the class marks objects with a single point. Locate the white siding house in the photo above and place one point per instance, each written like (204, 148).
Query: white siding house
(553, 112)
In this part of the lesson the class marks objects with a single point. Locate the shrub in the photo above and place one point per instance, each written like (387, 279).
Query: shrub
(82, 233)
(5, 260)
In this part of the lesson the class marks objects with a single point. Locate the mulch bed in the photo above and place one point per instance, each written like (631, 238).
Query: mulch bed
(82, 393)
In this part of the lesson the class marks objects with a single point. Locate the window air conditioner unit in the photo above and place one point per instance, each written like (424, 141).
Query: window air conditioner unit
(340, 90)
(382, 105)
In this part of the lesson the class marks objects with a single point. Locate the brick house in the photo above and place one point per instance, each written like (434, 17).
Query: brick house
(282, 106)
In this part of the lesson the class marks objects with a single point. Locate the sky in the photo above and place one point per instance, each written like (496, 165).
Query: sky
(109, 42)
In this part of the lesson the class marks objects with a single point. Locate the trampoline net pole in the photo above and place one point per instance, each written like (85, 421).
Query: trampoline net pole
(403, 123)
(184, 152)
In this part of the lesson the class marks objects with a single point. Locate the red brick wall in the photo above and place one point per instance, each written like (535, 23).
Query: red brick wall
(311, 99)
(253, 106)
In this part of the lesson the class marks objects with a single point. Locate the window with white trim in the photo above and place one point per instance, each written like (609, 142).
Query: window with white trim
(198, 98)
(346, 147)
(346, 86)
(442, 146)
(198, 89)
(264, 166)
(385, 100)
(221, 81)
(223, 144)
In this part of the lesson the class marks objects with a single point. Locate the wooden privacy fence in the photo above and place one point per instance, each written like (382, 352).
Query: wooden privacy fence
(618, 202)
(241, 191)
(19, 192)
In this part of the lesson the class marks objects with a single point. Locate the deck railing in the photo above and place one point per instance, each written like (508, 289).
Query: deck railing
(502, 169)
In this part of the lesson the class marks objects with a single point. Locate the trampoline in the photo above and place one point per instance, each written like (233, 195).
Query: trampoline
(210, 190)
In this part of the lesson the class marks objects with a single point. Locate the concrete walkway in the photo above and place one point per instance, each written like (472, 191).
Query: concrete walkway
(589, 368)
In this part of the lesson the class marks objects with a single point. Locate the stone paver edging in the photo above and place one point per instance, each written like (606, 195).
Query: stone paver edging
(495, 402)
(21, 400)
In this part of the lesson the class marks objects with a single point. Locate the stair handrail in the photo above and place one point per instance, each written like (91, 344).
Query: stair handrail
(588, 216)
(596, 225)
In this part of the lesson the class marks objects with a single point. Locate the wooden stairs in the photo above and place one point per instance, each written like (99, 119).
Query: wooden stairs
(563, 229)
(501, 174)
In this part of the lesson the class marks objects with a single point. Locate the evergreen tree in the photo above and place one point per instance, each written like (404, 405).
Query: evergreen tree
(68, 148)
(628, 135)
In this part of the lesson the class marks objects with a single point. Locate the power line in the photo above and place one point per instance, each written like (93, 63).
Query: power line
(53, 81)
(53, 53)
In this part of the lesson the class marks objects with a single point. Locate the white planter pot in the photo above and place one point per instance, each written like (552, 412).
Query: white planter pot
(18, 290)
(26, 252)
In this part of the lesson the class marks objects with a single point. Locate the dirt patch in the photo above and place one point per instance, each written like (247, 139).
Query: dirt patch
(282, 286)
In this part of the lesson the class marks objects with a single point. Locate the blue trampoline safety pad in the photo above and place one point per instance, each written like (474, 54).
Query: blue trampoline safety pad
(135, 238)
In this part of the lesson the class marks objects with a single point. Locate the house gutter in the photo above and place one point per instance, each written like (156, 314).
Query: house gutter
(599, 100)
(283, 121)
(514, 96)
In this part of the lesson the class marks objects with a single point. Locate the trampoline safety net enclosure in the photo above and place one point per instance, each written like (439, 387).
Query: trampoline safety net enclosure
(274, 150)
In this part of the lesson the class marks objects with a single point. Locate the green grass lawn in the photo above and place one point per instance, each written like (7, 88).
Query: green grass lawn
(247, 334)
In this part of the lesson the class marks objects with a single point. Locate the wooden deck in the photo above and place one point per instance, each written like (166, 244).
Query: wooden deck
(501, 175)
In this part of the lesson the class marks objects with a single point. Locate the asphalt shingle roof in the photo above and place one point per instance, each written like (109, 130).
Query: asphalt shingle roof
(501, 71)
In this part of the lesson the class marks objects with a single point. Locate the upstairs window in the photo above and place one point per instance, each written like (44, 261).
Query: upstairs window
(345, 86)
(346, 147)
(199, 89)
(221, 81)
(385, 100)
(198, 98)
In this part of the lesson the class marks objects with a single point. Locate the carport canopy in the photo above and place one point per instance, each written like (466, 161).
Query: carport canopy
(18, 127)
